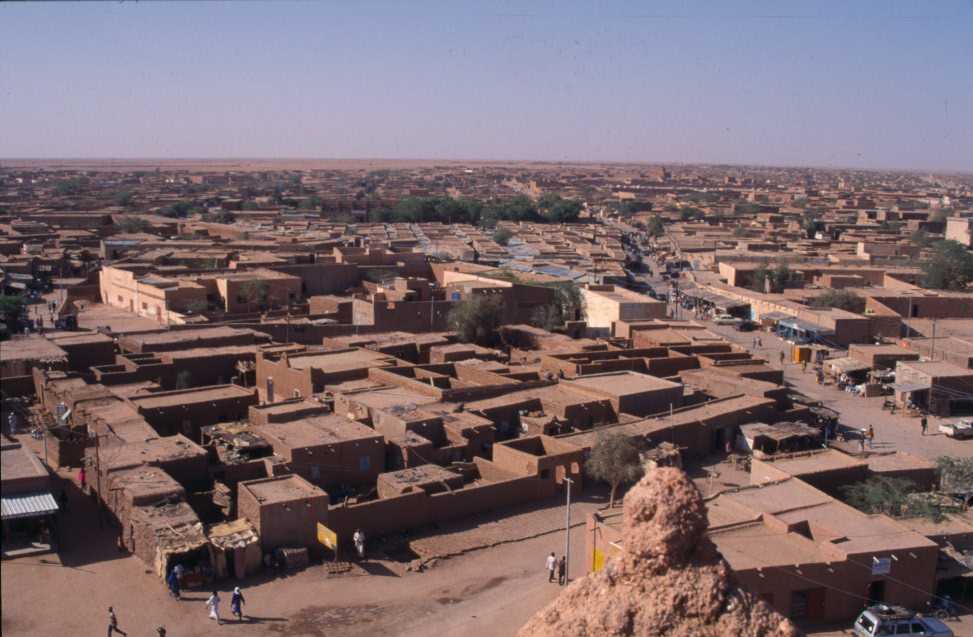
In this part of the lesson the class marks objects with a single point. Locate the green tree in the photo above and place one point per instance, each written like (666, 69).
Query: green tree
(73, 186)
(655, 227)
(759, 279)
(503, 236)
(220, 216)
(894, 497)
(955, 474)
(950, 267)
(476, 319)
(879, 494)
(558, 210)
(841, 300)
(746, 208)
(132, 225)
(921, 238)
(614, 459)
(12, 309)
(311, 203)
(124, 198)
(812, 226)
(634, 206)
(782, 275)
(689, 213)
(179, 210)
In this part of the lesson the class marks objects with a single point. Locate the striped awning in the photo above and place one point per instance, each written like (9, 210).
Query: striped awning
(28, 506)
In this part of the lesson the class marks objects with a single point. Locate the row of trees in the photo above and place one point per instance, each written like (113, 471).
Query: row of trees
(548, 209)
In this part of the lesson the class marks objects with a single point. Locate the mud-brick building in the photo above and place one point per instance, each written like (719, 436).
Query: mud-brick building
(806, 554)
(283, 375)
(631, 392)
(328, 450)
(284, 510)
(187, 410)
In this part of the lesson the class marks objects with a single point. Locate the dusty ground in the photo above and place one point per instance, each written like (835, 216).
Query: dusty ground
(484, 592)
(896, 432)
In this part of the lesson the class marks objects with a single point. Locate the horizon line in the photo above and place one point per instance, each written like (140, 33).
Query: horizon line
(579, 162)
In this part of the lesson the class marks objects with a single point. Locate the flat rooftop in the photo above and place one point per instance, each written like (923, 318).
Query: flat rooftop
(936, 369)
(318, 430)
(622, 383)
(180, 397)
(150, 451)
(418, 476)
(186, 337)
(281, 489)
(18, 462)
(794, 501)
(340, 361)
(898, 461)
(31, 348)
(817, 462)
(78, 338)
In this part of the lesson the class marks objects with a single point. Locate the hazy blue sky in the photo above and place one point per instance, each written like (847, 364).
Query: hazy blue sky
(861, 83)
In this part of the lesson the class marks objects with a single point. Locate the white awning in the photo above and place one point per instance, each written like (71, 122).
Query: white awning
(28, 506)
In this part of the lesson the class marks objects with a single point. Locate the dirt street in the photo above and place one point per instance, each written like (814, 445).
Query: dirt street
(485, 592)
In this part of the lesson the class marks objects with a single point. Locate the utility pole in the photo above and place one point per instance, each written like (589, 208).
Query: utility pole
(567, 533)
(932, 351)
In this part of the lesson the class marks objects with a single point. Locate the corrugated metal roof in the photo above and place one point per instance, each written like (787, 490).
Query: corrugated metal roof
(28, 506)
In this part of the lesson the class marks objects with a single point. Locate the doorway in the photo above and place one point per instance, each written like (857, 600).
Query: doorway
(876, 592)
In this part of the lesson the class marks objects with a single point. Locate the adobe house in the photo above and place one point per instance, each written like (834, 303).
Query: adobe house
(942, 388)
(284, 510)
(428, 478)
(328, 450)
(303, 374)
(547, 458)
(182, 459)
(631, 392)
(806, 554)
(187, 410)
(29, 509)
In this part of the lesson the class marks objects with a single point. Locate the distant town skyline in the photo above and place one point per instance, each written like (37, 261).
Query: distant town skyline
(873, 85)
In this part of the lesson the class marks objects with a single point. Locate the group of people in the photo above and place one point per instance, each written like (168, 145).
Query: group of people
(236, 605)
(558, 565)
(212, 605)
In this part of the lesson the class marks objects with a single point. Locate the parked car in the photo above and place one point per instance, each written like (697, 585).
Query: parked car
(959, 430)
(747, 326)
(726, 319)
(895, 620)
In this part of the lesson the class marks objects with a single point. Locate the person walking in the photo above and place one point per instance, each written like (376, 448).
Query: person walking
(781, 358)
(562, 568)
(236, 604)
(551, 565)
(924, 423)
(213, 603)
(113, 623)
(870, 434)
